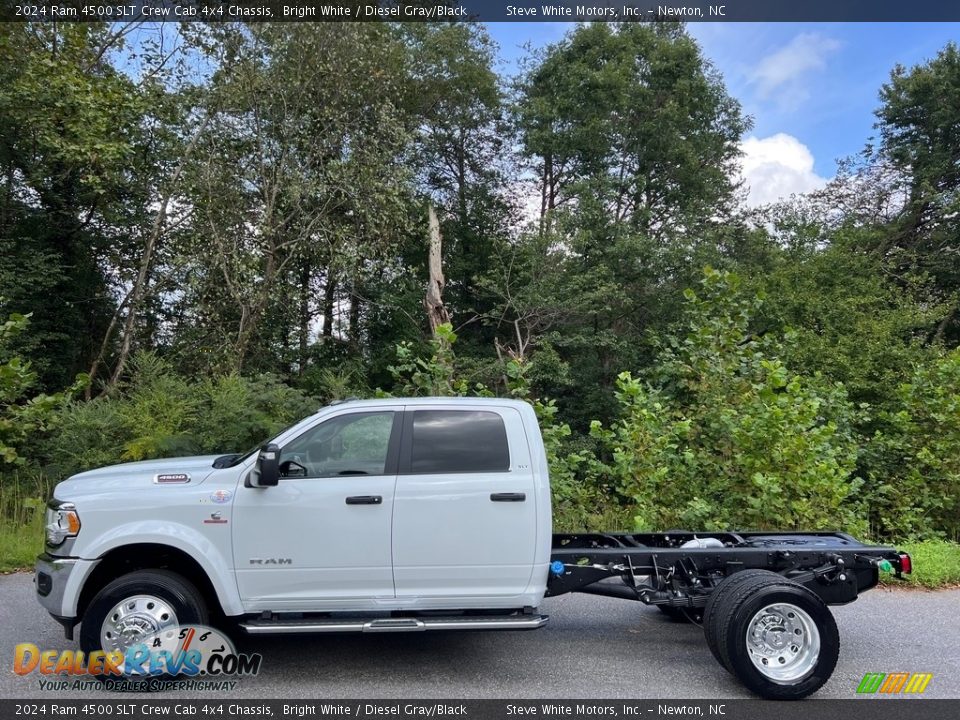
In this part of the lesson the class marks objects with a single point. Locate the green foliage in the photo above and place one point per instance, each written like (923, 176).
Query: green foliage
(850, 323)
(435, 375)
(159, 413)
(235, 413)
(72, 145)
(919, 124)
(632, 116)
(23, 419)
(250, 200)
(634, 140)
(160, 406)
(338, 383)
(722, 434)
(916, 484)
(582, 497)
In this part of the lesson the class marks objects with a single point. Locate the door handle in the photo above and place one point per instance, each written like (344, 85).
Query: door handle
(364, 500)
(508, 497)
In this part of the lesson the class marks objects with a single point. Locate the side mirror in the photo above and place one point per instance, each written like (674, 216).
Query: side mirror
(266, 473)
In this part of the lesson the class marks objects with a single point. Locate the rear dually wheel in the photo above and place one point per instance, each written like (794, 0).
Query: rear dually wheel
(776, 636)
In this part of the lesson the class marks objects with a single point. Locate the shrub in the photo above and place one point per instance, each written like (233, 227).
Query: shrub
(721, 434)
(90, 434)
(159, 413)
(916, 456)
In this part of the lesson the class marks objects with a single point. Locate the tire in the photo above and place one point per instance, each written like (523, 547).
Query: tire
(776, 636)
(727, 585)
(157, 599)
(682, 615)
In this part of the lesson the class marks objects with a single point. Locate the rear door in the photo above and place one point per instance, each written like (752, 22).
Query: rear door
(464, 518)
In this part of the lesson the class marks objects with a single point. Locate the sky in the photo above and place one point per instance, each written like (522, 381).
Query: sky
(811, 88)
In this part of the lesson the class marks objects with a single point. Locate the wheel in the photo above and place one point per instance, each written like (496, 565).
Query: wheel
(727, 585)
(682, 615)
(137, 605)
(777, 637)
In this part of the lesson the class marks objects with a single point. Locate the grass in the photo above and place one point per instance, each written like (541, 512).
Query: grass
(936, 564)
(22, 504)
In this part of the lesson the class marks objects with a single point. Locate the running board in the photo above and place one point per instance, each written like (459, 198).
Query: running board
(520, 622)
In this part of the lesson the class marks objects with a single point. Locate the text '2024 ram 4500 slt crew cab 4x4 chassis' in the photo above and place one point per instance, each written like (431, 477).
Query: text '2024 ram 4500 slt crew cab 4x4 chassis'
(420, 514)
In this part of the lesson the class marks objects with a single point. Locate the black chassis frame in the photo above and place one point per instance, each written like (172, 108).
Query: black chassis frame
(654, 569)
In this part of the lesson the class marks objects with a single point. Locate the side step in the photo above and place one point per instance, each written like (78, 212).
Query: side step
(518, 622)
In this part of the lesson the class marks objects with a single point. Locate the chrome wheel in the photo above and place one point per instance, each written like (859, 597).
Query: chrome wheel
(134, 619)
(783, 643)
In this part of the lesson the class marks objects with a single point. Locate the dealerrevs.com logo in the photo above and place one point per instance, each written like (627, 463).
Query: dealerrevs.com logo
(182, 655)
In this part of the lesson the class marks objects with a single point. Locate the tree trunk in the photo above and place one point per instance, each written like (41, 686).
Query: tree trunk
(304, 317)
(252, 314)
(354, 316)
(136, 296)
(433, 301)
(329, 295)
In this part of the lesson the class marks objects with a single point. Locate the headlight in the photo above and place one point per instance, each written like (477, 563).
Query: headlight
(62, 522)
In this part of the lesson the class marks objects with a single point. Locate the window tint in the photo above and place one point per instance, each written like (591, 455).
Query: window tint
(456, 441)
(353, 444)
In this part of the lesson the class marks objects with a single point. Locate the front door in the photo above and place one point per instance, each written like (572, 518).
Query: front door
(320, 539)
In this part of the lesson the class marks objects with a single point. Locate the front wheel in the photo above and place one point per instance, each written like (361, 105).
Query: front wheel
(777, 637)
(137, 606)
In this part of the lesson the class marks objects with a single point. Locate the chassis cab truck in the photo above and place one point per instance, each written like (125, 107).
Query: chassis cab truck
(413, 515)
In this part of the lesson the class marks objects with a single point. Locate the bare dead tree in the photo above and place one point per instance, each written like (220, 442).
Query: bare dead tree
(433, 301)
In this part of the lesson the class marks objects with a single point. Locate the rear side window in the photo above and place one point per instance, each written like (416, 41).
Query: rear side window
(458, 441)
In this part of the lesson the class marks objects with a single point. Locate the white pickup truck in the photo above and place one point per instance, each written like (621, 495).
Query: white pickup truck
(419, 514)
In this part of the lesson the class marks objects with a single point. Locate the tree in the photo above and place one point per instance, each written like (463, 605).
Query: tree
(305, 132)
(852, 322)
(462, 159)
(919, 124)
(23, 418)
(634, 141)
(69, 134)
(915, 466)
(633, 115)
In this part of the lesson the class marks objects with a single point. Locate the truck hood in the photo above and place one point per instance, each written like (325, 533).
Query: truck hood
(139, 474)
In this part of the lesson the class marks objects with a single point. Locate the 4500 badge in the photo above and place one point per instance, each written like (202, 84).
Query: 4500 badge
(180, 650)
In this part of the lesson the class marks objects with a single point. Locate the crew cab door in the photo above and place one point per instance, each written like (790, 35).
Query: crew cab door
(464, 520)
(320, 539)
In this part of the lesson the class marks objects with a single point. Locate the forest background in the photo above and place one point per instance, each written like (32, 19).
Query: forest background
(207, 232)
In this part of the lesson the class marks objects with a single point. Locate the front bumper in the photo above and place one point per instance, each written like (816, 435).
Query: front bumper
(58, 581)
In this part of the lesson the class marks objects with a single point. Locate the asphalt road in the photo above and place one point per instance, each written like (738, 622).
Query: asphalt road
(593, 647)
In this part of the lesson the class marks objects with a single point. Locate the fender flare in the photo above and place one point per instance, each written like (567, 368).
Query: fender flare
(217, 567)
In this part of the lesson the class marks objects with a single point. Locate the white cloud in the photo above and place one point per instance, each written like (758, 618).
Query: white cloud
(784, 69)
(776, 167)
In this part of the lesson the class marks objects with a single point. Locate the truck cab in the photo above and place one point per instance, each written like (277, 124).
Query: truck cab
(386, 506)
(375, 506)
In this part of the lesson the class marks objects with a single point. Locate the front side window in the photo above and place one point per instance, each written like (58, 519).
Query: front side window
(354, 444)
(458, 441)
